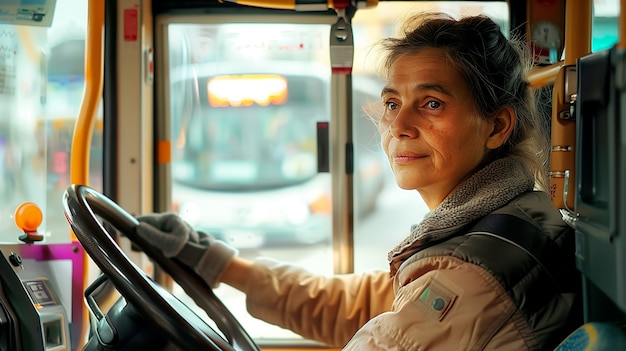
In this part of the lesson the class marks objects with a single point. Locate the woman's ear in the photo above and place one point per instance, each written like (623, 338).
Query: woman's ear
(502, 127)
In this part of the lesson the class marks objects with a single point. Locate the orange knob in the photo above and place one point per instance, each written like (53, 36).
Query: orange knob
(28, 217)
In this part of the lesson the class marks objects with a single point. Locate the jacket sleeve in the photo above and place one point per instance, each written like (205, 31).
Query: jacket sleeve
(326, 309)
(443, 304)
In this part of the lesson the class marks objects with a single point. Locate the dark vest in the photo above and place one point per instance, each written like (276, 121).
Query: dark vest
(534, 266)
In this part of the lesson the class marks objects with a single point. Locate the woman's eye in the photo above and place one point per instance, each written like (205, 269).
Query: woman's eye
(433, 105)
(391, 105)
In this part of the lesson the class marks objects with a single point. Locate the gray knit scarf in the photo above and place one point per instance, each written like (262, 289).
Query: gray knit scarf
(490, 188)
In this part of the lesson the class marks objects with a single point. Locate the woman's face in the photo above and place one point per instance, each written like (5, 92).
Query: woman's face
(430, 131)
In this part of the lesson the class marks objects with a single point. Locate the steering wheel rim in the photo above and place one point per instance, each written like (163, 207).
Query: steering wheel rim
(82, 205)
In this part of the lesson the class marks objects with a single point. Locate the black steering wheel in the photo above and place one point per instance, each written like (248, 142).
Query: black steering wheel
(84, 208)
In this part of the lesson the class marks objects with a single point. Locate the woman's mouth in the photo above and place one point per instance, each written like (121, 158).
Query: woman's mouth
(406, 158)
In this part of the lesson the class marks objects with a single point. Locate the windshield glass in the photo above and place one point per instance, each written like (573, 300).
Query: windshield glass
(253, 132)
(249, 127)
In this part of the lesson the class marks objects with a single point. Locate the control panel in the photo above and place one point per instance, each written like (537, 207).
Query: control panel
(36, 294)
(37, 313)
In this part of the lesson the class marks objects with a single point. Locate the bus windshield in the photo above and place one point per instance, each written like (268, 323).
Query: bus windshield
(247, 126)
(251, 132)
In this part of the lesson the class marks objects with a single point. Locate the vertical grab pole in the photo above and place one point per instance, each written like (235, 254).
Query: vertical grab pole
(341, 155)
(563, 154)
(81, 142)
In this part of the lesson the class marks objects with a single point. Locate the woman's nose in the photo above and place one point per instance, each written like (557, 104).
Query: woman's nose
(402, 126)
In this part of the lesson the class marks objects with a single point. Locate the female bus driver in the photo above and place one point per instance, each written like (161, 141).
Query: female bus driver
(459, 126)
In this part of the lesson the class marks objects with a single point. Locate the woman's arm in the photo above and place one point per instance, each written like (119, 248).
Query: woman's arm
(329, 309)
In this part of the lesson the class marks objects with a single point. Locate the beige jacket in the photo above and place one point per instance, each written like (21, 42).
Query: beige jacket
(434, 302)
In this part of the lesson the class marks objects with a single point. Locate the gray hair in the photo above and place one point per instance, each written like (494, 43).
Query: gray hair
(495, 69)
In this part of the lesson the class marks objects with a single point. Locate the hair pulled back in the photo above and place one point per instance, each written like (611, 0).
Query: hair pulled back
(495, 70)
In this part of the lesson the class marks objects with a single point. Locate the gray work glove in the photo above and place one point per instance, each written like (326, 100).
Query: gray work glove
(201, 252)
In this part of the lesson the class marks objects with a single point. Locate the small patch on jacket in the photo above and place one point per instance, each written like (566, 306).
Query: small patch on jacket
(436, 300)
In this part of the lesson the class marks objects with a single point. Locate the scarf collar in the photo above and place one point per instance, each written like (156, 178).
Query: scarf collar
(490, 188)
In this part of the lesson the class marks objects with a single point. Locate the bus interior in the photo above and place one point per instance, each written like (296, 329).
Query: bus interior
(252, 120)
